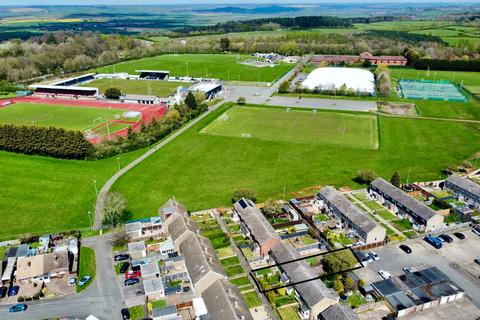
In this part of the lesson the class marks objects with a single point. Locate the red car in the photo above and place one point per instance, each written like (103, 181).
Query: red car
(133, 274)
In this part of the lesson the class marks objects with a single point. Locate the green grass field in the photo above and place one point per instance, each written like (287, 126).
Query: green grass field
(224, 164)
(468, 78)
(87, 266)
(297, 126)
(74, 118)
(221, 66)
(156, 88)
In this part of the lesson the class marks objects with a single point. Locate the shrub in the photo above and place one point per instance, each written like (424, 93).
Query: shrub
(365, 177)
(244, 193)
(113, 93)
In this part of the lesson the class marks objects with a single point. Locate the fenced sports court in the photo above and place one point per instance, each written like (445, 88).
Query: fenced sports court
(431, 90)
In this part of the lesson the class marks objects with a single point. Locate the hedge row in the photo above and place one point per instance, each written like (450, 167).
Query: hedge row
(453, 65)
(54, 142)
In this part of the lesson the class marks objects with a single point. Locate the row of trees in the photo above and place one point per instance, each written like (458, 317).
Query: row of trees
(54, 142)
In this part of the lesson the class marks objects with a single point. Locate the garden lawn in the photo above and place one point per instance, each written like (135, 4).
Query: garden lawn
(230, 261)
(156, 88)
(251, 299)
(220, 66)
(275, 124)
(387, 215)
(137, 312)
(233, 270)
(241, 281)
(288, 313)
(87, 266)
(224, 164)
(73, 118)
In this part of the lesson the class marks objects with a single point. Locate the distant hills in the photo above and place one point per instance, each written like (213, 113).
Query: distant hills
(273, 9)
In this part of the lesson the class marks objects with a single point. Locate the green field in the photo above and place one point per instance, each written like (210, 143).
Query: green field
(224, 164)
(220, 66)
(87, 266)
(156, 88)
(468, 78)
(297, 126)
(42, 194)
(67, 117)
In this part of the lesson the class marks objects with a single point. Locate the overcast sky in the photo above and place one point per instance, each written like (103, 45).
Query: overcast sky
(110, 2)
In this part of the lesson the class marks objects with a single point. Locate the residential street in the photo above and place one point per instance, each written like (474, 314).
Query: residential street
(101, 299)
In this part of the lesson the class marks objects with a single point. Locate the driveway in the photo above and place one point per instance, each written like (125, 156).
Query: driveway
(454, 259)
(102, 298)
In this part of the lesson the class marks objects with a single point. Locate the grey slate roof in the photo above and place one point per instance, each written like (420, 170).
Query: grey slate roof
(164, 311)
(172, 206)
(256, 222)
(348, 209)
(404, 199)
(465, 184)
(150, 269)
(223, 301)
(313, 291)
(339, 312)
(178, 224)
(200, 257)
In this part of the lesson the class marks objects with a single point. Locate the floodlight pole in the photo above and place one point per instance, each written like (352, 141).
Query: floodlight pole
(118, 162)
(95, 186)
(186, 63)
(89, 218)
(408, 176)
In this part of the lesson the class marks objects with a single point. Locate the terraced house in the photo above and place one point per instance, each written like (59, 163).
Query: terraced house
(464, 188)
(364, 226)
(422, 217)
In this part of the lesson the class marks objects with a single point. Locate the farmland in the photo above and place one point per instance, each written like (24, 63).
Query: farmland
(156, 88)
(221, 66)
(224, 164)
(297, 126)
(67, 117)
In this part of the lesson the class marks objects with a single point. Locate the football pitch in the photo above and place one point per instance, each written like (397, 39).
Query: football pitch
(278, 124)
(218, 66)
(67, 117)
(156, 88)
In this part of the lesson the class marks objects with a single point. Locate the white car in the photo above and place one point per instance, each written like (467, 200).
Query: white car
(384, 274)
(476, 230)
(374, 255)
(408, 269)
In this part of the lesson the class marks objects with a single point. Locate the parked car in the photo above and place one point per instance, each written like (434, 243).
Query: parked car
(477, 260)
(408, 269)
(3, 292)
(124, 267)
(374, 255)
(133, 274)
(132, 281)
(459, 235)
(72, 281)
(186, 289)
(384, 274)
(121, 257)
(19, 307)
(434, 241)
(476, 230)
(13, 291)
(445, 238)
(405, 248)
(125, 314)
(84, 280)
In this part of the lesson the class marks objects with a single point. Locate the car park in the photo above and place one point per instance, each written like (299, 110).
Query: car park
(84, 280)
(125, 314)
(374, 255)
(459, 235)
(13, 291)
(20, 307)
(124, 267)
(445, 238)
(384, 274)
(3, 292)
(405, 248)
(121, 257)
(132, 281)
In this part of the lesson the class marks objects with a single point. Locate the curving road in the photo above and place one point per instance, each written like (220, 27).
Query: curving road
(102, 298)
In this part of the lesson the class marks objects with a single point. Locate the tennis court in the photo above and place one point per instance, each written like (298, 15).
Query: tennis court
(431, 90)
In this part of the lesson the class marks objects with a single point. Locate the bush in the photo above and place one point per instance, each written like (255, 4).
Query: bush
(113, 93)
(365, 177)
(241, 100)
(244, 193)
